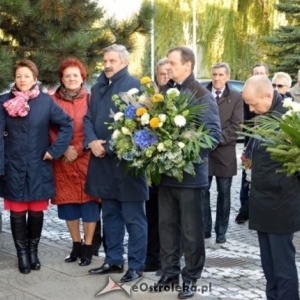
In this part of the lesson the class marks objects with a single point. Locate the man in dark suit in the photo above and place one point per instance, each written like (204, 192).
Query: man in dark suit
(180, 203)
(222, 160)
(123, 195)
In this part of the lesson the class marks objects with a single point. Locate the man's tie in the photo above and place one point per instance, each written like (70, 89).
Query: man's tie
(218, 95)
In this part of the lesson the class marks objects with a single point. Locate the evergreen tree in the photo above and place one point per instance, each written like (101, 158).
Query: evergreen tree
(285, 41)
(48, 31)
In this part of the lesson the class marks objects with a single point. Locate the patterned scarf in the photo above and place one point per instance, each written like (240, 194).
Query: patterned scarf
(63, 93)
(18, 106)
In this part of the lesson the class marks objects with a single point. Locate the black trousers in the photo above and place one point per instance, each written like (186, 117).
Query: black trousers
(181, 230)
(279, 265)
(223, 205)
(245, 189)
(153, 245)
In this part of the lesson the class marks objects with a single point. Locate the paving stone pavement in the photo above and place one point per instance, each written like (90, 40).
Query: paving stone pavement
(232, 270)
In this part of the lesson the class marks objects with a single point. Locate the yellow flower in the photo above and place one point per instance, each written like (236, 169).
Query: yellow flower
(154, 122)
(140, 111)
(157, 98)
(145, 80)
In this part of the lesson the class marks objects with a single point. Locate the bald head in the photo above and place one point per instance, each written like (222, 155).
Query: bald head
(258, 94)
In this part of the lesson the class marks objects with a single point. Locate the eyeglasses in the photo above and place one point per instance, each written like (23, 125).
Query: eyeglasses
(278, 85)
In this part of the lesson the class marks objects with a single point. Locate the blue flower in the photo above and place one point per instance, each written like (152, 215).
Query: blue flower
(144, 138)
(130, 112)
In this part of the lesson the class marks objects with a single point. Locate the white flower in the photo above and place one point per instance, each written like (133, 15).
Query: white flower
(288, 113)
(143, 99)
(145, 119)
(115, 134)
(180, 121)
(162, 117)
(181, 145)
(133, 91)
(161, 147)
(126, 131)
(118, 115)
(295, 106)
(287, 102)
(173, 91)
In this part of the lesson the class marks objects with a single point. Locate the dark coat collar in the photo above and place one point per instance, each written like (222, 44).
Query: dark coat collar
(185, 84)
(105, 81)
(277, 99)
(226, 91)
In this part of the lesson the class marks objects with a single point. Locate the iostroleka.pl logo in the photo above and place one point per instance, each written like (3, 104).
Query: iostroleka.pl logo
(133, 286)
(117, 286)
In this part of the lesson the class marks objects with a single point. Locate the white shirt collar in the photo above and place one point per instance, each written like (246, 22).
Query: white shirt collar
(214, 91)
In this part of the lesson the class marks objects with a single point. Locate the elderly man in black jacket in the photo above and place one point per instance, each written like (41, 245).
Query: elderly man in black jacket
(180, 203)
(274, 204)
(222, 160)
(123, 195)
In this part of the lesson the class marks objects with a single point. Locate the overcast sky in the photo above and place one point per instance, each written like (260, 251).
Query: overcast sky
(120, 8)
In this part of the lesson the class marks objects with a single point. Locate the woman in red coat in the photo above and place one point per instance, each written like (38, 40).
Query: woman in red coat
(70, 171)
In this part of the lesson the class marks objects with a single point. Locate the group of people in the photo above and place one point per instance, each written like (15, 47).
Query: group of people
(58, 147)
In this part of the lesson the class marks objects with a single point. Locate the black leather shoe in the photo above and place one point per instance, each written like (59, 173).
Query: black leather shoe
(221, 238)
(187, 290)
(70, 258)
(168, 280)
(84, 261)
(164, 281)
(106, 268)
(23, 262)
(242, 217)
(131, 275)
(86, 255)
(207, 235)
(75, 253)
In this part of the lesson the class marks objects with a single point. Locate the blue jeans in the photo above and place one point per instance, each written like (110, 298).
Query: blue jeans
(277, 254)
(223, 205)
(117, 215)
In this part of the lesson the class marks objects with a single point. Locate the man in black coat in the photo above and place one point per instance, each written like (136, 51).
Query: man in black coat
(180, 203)
(274, 203)
(123, 195)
